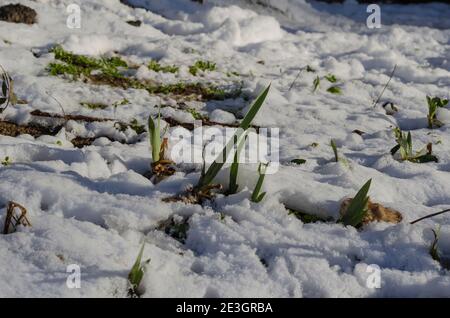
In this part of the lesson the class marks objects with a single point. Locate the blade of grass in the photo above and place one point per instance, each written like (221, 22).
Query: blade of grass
(358, 207)
(233, 186)
(335, 151)
(256, 196)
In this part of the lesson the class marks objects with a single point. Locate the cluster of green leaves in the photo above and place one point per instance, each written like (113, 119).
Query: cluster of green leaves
(433, 104)
(256, 195)
(404, 145)
(77, 65)
(333, 89)
(208, 176)
(136, 274)
(157, 67)
(107, 72)
(6, 161)
(202, 66)
(358, 207)
(7, 96)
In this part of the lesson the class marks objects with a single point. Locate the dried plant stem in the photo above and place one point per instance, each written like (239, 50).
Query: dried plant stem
(429, 216)
(12, 220)
(385, 86)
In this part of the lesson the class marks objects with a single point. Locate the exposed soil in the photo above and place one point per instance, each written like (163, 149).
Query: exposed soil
(17, 13)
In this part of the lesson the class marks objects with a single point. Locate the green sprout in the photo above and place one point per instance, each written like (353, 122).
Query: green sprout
(233, 186)
(316, 83)
(136, 274)
(154, 130)
(433, 104)
(331, 78)
(434, 252)
(404, 145)
(208, 176)
(6, 161)
(334, 90)
(256, 195)
(358, 207)
(335, 151)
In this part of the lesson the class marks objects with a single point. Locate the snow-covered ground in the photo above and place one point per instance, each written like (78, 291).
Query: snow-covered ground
(93, 207)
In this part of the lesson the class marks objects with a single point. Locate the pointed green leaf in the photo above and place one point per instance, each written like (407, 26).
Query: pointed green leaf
(357, 209)
(316, 83)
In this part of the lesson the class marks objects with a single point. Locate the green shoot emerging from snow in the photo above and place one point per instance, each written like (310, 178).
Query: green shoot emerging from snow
(256, 196)
(433, 105)
(154, 130)
(202, 66)
(6, 161)
(434, 252)
(404, 145)
(331, 78)
(335, 151)
(136, 274)
(357, 209)
(334, 90)
(208, 176)
(316, 83)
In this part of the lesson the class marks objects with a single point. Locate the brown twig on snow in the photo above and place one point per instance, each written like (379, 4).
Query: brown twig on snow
(429, 216)
(12, 220)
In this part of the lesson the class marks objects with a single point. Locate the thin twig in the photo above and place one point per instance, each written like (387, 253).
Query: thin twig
(57, 101)
(429, 216)
(385, 86)
(298, 75)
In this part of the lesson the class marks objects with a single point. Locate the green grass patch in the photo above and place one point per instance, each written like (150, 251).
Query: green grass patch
(157, 67)
(94, 106)
(202, 66)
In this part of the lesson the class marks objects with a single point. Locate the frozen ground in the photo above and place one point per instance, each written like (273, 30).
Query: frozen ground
(93, 206)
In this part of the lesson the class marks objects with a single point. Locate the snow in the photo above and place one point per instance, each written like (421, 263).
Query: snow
(93, 207)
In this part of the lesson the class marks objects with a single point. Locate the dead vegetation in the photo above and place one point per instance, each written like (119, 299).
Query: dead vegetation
(14, 219)
(375, 212)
